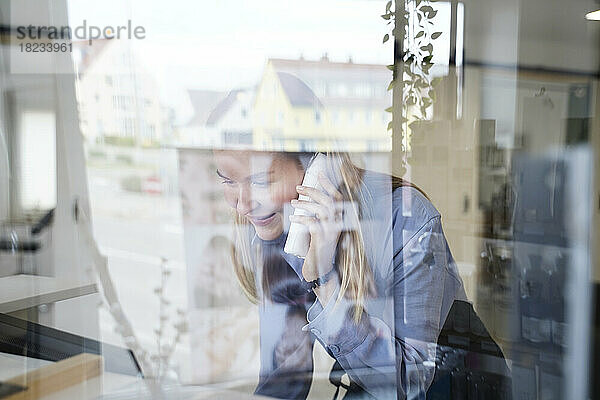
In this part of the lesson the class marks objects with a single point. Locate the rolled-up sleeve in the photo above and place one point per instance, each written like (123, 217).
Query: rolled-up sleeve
(391, 359)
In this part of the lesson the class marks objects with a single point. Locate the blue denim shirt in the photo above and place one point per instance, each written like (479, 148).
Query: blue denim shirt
(390, 353)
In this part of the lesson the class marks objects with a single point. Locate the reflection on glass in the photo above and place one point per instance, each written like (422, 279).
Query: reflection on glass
(388, 285)
(441, 246)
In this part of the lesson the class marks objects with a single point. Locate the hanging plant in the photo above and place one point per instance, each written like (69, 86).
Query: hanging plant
(412, 28)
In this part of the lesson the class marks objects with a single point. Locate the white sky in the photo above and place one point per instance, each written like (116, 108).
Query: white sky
(223, 44)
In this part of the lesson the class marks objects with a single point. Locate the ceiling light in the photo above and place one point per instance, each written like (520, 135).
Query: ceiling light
(593, 16)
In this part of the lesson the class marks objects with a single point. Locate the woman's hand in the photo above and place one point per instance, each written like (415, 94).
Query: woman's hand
(324, 224)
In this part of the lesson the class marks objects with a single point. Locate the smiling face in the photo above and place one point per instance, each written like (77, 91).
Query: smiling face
(258, 185)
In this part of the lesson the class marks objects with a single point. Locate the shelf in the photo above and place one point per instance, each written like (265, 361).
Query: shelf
(18, 292)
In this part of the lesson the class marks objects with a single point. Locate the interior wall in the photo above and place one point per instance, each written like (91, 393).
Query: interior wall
(54, 92)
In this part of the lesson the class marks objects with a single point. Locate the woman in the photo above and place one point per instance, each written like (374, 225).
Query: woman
(374, 289)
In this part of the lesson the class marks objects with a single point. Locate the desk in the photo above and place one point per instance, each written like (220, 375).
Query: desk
(117, 386)
(18, 292)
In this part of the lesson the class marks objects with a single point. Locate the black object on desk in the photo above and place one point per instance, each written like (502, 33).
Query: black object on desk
(45, 221)
(25, 338)
(7, 389)
(28, 246)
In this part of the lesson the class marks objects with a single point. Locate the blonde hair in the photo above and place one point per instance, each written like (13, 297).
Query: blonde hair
(356, 274)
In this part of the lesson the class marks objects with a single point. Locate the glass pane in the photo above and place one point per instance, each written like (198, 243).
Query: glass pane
(341, 199)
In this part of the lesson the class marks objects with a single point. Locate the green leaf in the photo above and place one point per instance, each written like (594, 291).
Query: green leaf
(428, 48)
(426, 9)
(391, 85)
(436, 81)
(388, 6)
(390, 67)
(390, 125)
(386, 16)
(418, 3)
(386, 38)
(428, 58)
(432, 14)
(420, 17)
(436, 35)
(418, 35)
(389, 109)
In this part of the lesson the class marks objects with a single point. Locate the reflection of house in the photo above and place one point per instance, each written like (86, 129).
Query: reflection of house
(117, 98)
(195, 132)
(232, 118)
(302, 105)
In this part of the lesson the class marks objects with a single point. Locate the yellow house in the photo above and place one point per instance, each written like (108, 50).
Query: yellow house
(306, 105)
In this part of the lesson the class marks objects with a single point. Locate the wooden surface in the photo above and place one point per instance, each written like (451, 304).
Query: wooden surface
(19, 292)
(109, 385)
(56, 377)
